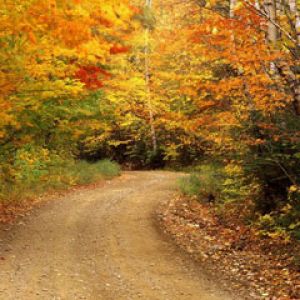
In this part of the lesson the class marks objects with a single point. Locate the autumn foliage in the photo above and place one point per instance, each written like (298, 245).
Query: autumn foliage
(54, 62)
(90, 76)
(171, 84)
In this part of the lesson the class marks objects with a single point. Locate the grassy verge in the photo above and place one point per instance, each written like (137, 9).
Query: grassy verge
(40, 179)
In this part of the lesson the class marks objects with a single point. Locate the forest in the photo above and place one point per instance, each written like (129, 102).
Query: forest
(209, 87)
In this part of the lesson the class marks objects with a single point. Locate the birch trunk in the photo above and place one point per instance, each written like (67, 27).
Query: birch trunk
(270, 7)
(295, 14)
(147, 80)
(232, 5)
(296, 17)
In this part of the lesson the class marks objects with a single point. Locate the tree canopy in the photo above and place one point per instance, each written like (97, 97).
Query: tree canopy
(155, 83)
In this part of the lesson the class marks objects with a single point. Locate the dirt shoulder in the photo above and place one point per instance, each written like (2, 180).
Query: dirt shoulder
(101, 243)
(261, 268)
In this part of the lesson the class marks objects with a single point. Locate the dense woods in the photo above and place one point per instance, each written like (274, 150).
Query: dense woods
(155, 84)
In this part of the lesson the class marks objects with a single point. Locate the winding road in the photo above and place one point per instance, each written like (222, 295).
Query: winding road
(101, 244)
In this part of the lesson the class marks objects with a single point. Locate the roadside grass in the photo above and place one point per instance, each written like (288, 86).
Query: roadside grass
(56, 177)
(86, 173)
(204, 182)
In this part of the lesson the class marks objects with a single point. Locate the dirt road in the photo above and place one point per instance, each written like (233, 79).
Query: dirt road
(100, 244)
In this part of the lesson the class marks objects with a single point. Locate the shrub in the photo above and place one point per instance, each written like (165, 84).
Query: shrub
(238, 194)
(85, 172)
(238, 186)
(107, 168)
(190, 185)
(204, 182)
(35, 170)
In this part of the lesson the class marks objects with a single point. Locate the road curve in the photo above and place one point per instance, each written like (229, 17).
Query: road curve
(100, 244)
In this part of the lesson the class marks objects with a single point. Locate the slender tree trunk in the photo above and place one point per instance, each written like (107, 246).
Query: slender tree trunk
(270, 7)
(257, 4)
(272, 35)
(296, 17)
(147, 80)
(232, 5)
(279, 9)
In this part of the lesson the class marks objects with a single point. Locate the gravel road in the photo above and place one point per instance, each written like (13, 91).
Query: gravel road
(101, 244)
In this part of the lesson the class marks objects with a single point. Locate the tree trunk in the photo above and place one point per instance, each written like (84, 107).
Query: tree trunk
(270, 7)
(272, 35)
(295, 15)
(148, 89)
(232, 5)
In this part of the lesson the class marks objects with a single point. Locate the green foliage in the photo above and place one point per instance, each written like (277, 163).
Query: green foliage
(236, 185)
(268, 226)
(37, 170)
(204, 182)
(85, 172)
(190, 186)
(34, 164)
(107, 168)
(232, 189)
(224, 183)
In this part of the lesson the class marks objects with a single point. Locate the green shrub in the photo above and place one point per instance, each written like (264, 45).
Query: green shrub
(237, 185)
(239, 194)
(107, 168)
(85, 172)
(190, 185)
(35, 170)
(204, 183)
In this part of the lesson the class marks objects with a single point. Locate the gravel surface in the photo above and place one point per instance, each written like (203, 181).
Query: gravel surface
(101, 244)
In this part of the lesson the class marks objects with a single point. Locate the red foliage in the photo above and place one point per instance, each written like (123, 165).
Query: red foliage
(90, 76)
(116, 49)
(105, 22)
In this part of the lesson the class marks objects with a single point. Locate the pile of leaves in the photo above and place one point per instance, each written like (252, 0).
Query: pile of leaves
(262, 267)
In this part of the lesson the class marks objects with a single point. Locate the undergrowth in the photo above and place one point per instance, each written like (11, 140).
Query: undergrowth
(236, 197)
(204, 182)
(35, 171)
